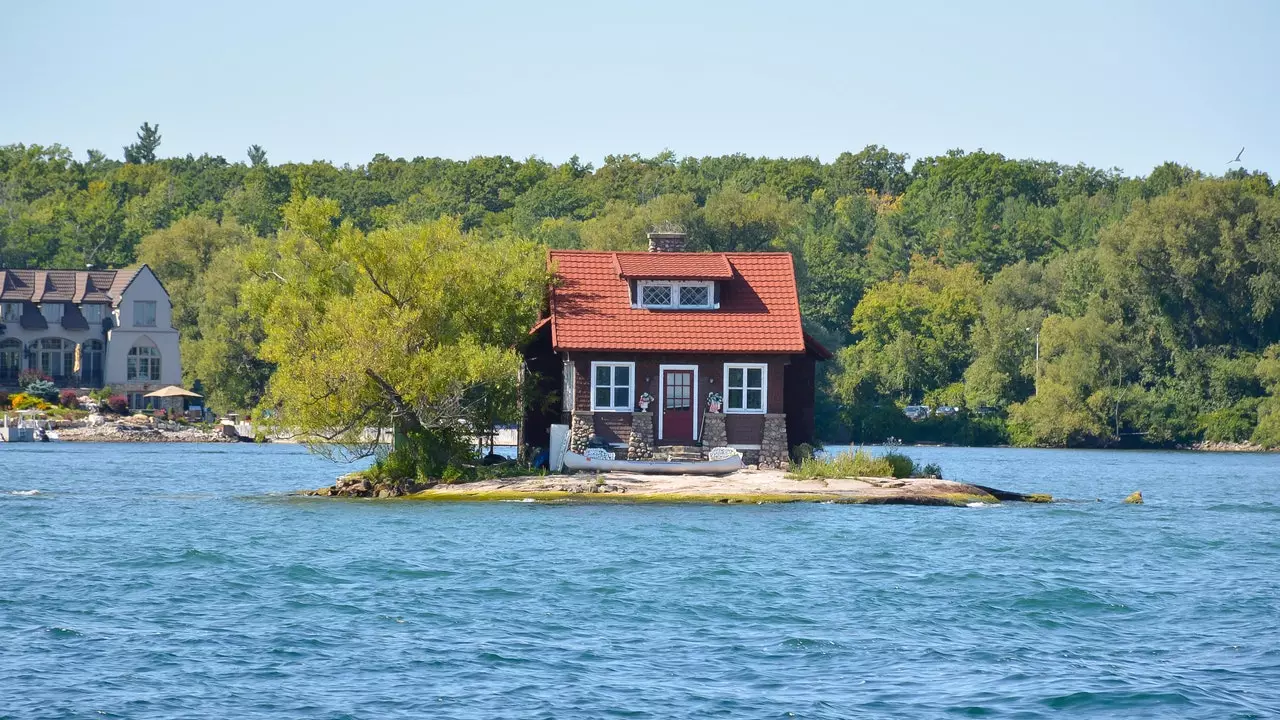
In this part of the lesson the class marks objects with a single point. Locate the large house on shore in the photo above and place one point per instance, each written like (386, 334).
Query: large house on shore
(673, 348)
(89, 329)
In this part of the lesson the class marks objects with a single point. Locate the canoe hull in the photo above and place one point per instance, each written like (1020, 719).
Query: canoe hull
(574, 461)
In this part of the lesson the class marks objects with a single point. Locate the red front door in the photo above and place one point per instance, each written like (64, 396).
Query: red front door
(677, 406)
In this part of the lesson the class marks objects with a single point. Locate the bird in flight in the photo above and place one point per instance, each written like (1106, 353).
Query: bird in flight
(1237, 157)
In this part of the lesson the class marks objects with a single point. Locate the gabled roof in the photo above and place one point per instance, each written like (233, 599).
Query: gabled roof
(68, 286)
(672, 266)
(759, 307)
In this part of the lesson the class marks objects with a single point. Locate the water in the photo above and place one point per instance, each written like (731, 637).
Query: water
(162, 581)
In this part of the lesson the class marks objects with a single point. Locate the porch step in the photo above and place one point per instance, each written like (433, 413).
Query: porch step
(682, 453)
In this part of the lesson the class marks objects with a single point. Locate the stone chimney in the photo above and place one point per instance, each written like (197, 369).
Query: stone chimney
(666, 241)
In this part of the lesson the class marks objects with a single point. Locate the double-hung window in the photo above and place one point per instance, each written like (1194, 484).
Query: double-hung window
(52, 312)
(10, 312)
(613, 386)
(92, 313)
(746, 387)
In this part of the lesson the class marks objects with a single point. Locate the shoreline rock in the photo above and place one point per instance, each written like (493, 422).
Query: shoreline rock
(748, 486)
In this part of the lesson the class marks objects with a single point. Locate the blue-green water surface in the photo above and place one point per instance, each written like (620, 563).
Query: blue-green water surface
(182, 581)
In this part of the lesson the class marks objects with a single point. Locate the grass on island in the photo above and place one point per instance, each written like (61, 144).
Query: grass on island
(860, 463)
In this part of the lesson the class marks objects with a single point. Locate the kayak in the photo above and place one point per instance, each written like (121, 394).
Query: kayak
(574, 461)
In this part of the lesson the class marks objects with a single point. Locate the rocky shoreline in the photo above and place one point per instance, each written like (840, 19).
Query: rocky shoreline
(139, 429)
(746, 486)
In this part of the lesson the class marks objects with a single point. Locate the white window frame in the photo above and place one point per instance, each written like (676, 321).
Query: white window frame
(631, 394)
(58, 311)
(154, 313)
(675, 286)
(764, 389)
(134, 362)
(569, 387)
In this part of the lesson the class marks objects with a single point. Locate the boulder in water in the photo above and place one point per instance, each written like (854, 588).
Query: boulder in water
(1134, 499)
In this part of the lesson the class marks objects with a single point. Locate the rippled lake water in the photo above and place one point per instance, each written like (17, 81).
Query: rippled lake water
(174, 581)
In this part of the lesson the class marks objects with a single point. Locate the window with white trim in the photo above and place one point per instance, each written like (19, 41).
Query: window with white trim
(144, 313)
(612, 386)
(746, 386)
(92, 313)
(11, 312)
(676, 295)
(143, 363)
(52, 312)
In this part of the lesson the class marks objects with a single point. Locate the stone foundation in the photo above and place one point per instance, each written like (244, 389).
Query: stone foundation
(773, 446)
(713, 432)
(640, 445)
(580, 431)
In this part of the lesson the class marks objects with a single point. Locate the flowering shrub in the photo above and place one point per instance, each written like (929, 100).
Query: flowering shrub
(29, 376)
(118, 404)
(23, 401)
(69, 399)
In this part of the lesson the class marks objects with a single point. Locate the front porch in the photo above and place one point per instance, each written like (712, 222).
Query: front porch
(632, 435)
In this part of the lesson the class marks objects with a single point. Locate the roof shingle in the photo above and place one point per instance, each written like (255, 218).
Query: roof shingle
(759, 306)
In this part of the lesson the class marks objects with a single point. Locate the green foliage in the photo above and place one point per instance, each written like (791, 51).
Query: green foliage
(1153, 298)
(903, 466)
(144, 151)
(412, 327)
(43, 390)
(848, 464)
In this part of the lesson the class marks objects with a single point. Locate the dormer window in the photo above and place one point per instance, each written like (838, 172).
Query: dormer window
(672, 295)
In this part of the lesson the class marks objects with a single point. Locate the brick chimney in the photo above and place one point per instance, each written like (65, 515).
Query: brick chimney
(666, 241)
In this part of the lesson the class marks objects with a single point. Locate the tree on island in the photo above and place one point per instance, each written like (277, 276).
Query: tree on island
(412, 327)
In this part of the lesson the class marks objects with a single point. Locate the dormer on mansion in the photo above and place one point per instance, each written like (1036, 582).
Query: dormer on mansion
(89, 329)
(672, 348)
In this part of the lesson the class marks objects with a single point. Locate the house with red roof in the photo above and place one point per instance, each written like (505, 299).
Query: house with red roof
(650, 350)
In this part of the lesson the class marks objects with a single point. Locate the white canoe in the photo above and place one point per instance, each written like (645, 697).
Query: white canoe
(574, 461)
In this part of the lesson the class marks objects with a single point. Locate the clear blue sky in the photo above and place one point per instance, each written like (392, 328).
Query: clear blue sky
(1127, 84)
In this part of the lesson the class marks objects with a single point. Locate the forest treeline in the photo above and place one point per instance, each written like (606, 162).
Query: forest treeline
(1054, 305)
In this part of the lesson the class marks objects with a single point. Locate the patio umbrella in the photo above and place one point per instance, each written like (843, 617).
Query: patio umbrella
(172, 391)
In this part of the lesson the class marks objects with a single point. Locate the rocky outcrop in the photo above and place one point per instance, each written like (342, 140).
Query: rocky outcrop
(640, 445)
(356, 485)
(1134, 499)
(129, 430)
(773, 446)
(581, 429)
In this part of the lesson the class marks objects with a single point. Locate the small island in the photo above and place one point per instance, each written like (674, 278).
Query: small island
(744, 486)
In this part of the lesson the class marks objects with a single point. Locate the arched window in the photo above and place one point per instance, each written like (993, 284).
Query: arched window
(91, 363)
(143, 363)
(10, 360)
(56, 358)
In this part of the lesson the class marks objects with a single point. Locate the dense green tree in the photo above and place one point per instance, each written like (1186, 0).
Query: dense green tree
(144, 150)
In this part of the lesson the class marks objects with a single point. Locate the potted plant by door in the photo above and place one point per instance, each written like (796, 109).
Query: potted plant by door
(713, 402)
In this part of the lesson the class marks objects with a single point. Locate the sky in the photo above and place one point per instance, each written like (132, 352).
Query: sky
(1110, 84)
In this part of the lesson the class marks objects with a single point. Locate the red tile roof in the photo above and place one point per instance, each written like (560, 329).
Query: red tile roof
(759, 307)
(673, 266)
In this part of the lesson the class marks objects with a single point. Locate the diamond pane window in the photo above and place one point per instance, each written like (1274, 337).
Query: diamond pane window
(694, 295)
(659, 295)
